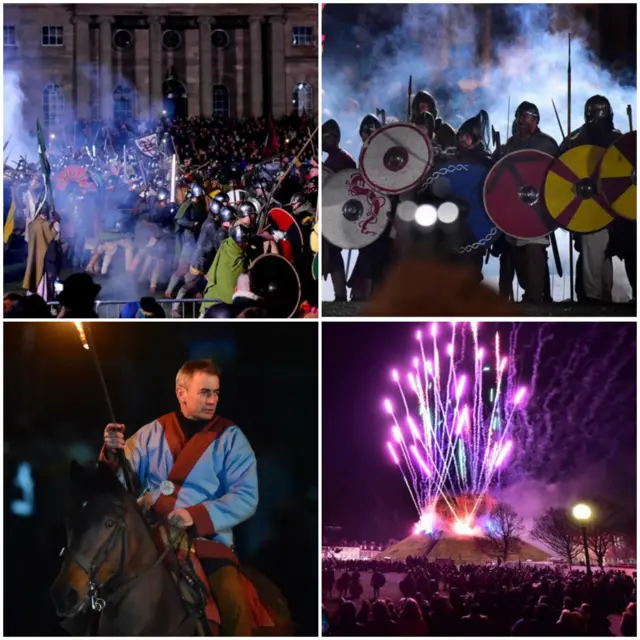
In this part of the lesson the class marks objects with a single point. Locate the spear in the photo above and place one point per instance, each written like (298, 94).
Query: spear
(409, 100)
(629, 116)
(557, 118)
(569, 146)
(508, 116)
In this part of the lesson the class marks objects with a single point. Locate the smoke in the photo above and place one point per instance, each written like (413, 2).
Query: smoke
(441, 47)
(16, 130)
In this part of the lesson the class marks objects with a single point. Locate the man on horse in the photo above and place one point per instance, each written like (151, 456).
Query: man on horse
(198, 470)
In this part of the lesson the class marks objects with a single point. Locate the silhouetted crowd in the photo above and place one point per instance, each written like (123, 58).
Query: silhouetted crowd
(475, 600)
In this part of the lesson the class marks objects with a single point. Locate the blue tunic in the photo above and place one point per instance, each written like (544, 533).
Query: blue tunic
(215, 481)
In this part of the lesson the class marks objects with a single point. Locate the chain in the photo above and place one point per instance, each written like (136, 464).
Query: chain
(480, 244)
(441, 173)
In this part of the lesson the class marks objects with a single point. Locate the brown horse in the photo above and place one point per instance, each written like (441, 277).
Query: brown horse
(115, 582)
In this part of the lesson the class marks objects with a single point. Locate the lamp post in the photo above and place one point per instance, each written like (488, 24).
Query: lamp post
(582, 513)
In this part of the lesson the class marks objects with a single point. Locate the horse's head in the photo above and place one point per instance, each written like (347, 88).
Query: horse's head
(98, 541)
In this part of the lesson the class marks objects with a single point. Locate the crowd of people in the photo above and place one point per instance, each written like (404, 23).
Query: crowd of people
(441, 599)
(171, 210)
(525, 259)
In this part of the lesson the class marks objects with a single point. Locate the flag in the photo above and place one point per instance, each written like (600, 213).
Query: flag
(271, 144)
(9, 224)
(45, 166)
(148, 145)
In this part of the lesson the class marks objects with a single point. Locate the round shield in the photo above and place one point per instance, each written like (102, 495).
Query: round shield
(276, 281)
(237, 197)
(76, 174)
(396, 158)
(617, 179)
(464, 183)
(571, 191)
(513, 194)
(291, 245)
(353, 214)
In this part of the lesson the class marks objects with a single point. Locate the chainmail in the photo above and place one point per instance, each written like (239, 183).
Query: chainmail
(441, 173)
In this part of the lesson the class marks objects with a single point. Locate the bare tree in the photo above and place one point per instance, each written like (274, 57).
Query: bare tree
(502, 539)
(556, 529)
(603, 528)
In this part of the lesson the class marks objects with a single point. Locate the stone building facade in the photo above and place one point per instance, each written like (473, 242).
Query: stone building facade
(122, 61)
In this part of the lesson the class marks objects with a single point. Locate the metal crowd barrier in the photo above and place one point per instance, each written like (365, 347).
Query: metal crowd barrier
(112, 308)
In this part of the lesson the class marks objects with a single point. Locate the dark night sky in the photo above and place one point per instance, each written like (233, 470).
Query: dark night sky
(579, 438)
(55, 410)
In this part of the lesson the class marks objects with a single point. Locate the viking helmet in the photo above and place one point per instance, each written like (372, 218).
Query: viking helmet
(597, 108)
(423, 97)
(477, 127)
(528, 107)
(331, 128)
(239, 233)
(214, 207)
(247, 209)
(222, 198)
(228, 213)
(368, 125)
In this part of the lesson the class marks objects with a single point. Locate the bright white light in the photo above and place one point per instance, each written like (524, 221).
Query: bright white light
(426, 215)
(406, 211)
(582, 512)
(448, 212)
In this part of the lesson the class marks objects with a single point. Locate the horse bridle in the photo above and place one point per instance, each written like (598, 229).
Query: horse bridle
(97, 603)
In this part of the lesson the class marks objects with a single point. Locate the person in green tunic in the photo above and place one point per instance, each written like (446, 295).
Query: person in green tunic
(227, 265)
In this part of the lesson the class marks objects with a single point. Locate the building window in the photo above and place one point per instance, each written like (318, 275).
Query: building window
(53, 105)
(220, 101)
(303, 99)
(122, 39)
(122, 103)
(52, 36)
(9, 33)
(303, 37)
(171, 40)
(219, 39)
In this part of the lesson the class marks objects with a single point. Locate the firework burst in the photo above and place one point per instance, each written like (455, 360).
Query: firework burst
(451, 435)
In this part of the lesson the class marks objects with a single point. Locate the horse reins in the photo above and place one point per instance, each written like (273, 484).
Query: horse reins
(97, 603)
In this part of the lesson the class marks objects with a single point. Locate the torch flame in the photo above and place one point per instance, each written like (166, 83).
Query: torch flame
(83, 337)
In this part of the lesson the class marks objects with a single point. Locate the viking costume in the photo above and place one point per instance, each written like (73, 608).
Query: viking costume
(444, 133)
(43, 257)
(190, 215)
(528, 258)
(207, 468)
(478, 130)
(594, 269)
(227, 265)
(337, 160)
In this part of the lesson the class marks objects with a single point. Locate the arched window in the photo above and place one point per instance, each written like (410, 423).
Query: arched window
(303, 98)
(53, 105)
(122, 103)
(220, 101)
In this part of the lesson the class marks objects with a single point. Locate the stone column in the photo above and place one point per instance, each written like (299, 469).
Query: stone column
(206, 88)
(82, 71)
(239, 97)
(255, 33)
(278, 84)
(155, 66)
(106, 74)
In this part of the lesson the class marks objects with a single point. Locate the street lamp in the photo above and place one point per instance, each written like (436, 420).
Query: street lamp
(582, 513)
